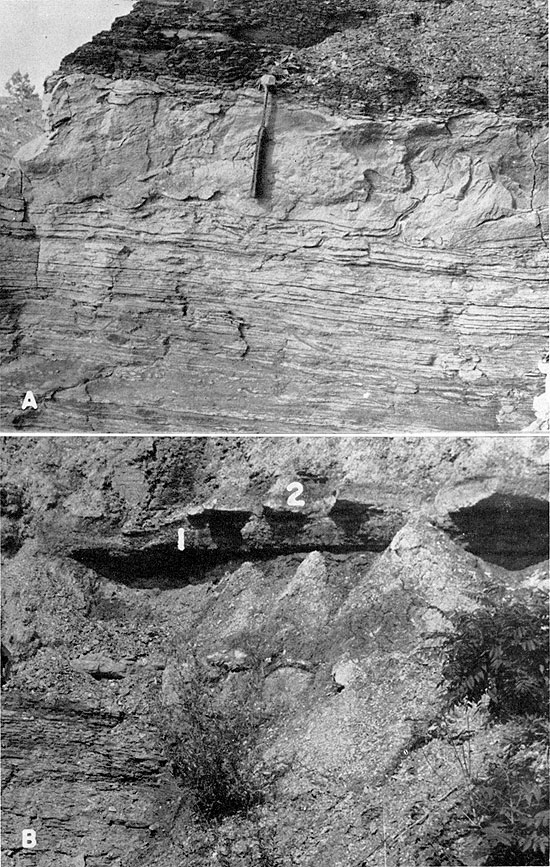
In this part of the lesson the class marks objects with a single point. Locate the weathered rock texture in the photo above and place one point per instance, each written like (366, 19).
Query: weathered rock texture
(391, 276)
(341, 596)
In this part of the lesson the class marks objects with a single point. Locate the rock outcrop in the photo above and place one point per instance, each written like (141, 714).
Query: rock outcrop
(392, 275)
(341, 600)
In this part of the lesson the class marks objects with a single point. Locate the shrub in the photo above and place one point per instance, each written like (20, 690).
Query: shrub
(498, 656)
(512, 796)
(500, 649)
(211, 739)
(501, 817)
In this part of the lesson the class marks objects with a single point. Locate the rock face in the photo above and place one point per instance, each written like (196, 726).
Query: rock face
(339, 598)
(391, 275)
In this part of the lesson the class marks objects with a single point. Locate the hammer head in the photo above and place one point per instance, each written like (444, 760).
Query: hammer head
(267, 82)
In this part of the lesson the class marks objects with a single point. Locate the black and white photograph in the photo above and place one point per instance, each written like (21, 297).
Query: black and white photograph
(274, 433)
(265, 652)
(229, 216)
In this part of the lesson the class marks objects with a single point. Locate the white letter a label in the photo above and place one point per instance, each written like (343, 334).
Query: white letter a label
(29, 400)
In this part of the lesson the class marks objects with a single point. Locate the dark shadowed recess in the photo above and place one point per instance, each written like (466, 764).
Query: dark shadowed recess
(507, 529)
(217, 541)
(164, 567)
(6, 664)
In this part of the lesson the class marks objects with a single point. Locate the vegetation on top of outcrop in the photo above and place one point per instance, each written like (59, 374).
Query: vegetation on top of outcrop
(369, 56)
(20, 117)
(20, 87)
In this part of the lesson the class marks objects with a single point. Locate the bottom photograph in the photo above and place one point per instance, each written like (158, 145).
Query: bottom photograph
(265, 652)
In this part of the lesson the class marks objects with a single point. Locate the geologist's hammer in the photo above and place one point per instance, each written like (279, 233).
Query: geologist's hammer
(268, 84)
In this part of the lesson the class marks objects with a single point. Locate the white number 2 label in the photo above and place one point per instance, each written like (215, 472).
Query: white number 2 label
(297, 489)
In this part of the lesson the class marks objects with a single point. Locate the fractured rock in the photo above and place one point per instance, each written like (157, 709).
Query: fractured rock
(100, 667)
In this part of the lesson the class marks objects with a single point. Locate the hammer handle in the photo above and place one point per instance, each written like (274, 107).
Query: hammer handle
(261, 141)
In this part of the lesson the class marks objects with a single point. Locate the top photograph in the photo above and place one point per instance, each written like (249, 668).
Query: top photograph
(273, 217)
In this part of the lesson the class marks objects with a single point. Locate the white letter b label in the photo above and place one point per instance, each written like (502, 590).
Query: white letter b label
(28, 838)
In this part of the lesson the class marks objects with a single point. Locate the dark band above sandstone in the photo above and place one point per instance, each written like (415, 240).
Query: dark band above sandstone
(368, 55)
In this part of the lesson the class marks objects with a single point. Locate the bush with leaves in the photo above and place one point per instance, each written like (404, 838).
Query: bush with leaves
(498, 657)
(500, 649)
(211, 737)
(511, 797)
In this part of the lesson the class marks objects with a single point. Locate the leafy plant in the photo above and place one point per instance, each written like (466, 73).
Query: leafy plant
(211, 737)
(496, 670)
(500, 649)
(459, 727)
(511, 797)
(501, 816)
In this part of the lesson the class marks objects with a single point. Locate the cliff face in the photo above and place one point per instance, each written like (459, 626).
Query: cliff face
(341, 599)
(391, 275)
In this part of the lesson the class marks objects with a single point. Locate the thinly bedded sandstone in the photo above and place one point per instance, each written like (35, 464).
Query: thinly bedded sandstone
(391, 276)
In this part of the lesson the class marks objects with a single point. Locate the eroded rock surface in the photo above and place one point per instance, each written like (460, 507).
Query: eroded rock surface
(392, 275)
(342, 606)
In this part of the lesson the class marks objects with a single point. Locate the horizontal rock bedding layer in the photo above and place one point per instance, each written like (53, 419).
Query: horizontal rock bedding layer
(390, 277)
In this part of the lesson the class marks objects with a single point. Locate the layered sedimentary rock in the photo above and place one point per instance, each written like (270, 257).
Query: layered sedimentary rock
(342, 598)
(391, 275)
